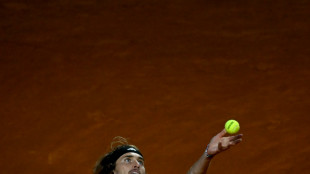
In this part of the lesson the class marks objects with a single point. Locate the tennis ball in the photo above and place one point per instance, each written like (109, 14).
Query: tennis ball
(232, 126)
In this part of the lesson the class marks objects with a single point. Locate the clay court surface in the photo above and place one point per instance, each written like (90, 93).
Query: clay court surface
(165, 74)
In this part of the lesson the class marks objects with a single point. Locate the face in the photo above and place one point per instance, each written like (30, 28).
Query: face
(129, 163)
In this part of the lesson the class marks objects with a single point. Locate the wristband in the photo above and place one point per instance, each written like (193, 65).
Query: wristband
(206, 152)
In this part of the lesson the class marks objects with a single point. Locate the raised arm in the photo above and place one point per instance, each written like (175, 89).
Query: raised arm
(218, 144)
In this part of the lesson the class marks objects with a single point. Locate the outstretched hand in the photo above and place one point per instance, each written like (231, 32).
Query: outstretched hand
(220, 143)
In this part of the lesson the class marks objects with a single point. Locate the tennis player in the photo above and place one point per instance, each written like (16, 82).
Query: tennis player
(127, 159)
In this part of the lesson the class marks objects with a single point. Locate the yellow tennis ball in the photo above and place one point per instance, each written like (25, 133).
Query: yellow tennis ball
(232, 126)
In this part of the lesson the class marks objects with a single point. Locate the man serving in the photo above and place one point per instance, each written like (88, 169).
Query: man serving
(127, 159)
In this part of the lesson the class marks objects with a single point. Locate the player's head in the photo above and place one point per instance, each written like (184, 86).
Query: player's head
(122, 159)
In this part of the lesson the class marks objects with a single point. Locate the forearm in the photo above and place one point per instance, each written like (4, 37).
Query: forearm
(201, 166)
(218, 144)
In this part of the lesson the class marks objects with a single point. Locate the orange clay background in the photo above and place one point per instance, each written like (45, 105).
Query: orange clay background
(167, 74)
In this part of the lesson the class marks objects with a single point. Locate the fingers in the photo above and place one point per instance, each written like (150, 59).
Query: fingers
(232, 138)
(235, 142)
(222, 133)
